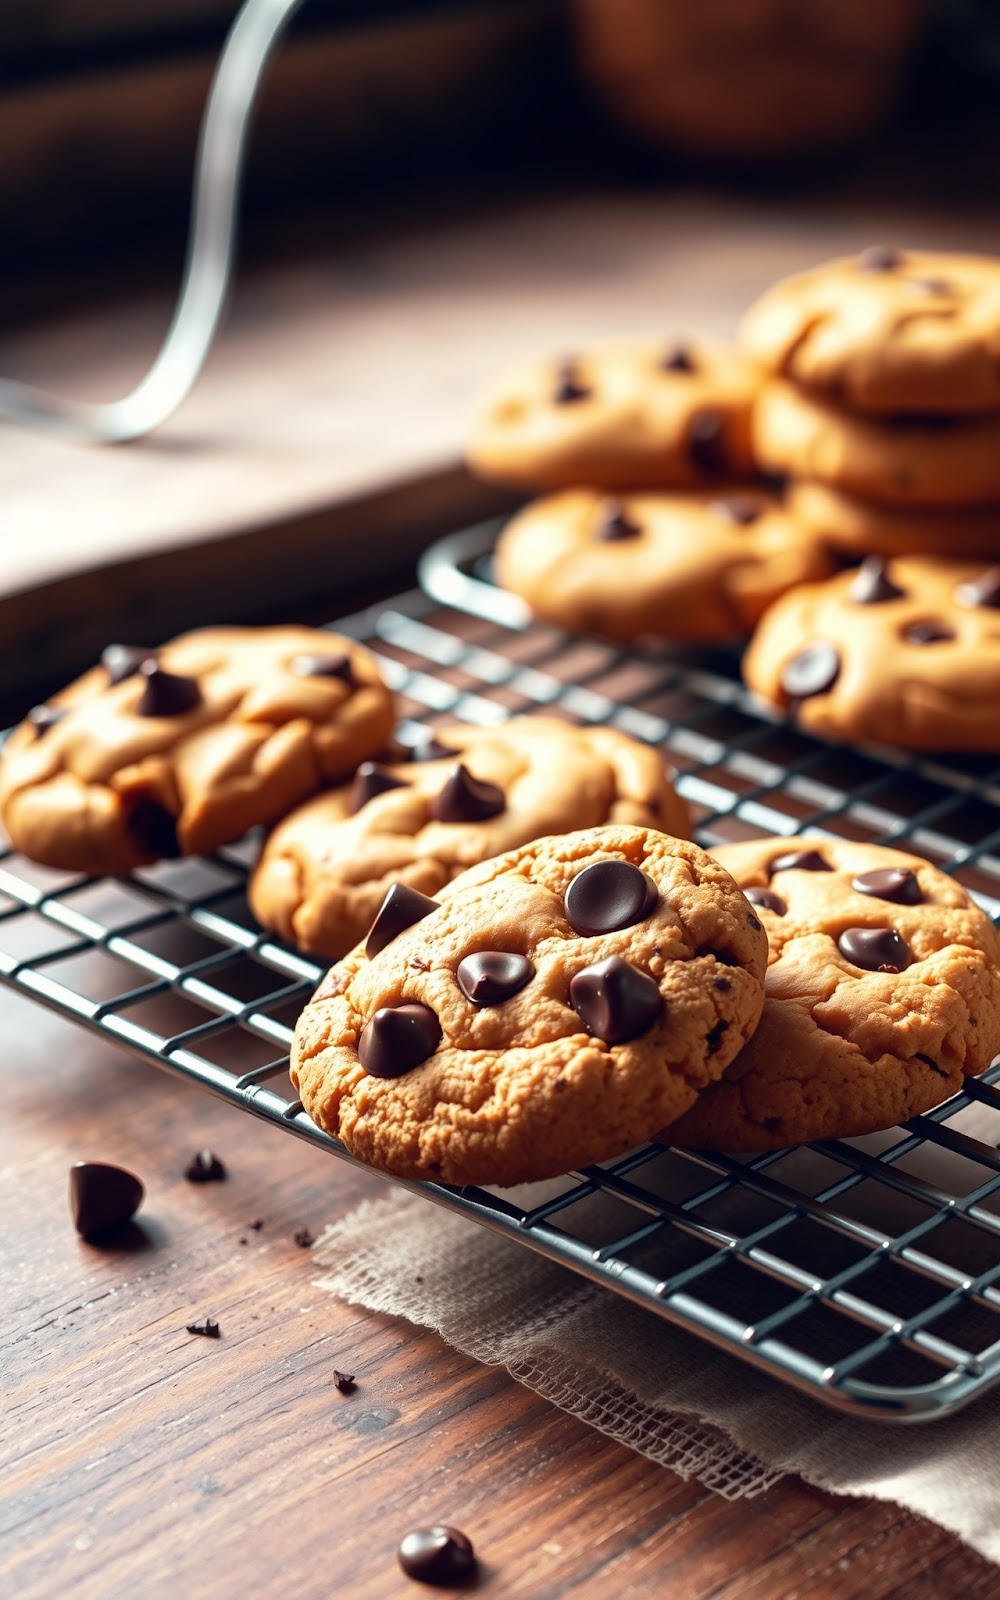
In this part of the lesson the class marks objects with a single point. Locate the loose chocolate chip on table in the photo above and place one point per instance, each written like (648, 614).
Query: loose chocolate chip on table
(167, 694)
(759, 896)
(678, 359)
(929, 632)
(875, 949)
(490, 977)
(402, 908)
(209, 1329)
(205, 1167)
(983, 591)
(872, 584)
(42, 718)
(569, 386)
(331, 666)
(102, 1197)
(397, 1039)
(800, 861)
(155, 829)
(614, 1000)
(371, 779)
(303, 1238)
(811, 671)
(437, 1555)
(121, 660)
(609, 895)
(344, 1381)
(890, 883)
(464, 798)
(427, 748)
(742, 509)
(706, 441)
(616, 524)
(880, 258)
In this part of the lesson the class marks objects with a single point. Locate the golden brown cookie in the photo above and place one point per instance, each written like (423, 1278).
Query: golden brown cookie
(179, 750)
(648, 416)
(901, 461)
(883, 992)
(904, 652)
(864, 528)
(325, 870)
(886, 331)
(690, 567)
(559, 1004)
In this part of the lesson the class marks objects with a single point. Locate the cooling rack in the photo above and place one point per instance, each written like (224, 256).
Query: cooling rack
(865, 1272)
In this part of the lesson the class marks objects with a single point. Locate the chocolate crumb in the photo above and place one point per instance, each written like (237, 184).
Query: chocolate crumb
(209, 1329)
(205, 1167)
(243, 1239)
(303, 1238)
(344, 1381)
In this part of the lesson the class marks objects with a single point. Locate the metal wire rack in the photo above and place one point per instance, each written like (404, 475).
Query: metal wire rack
(865, 1272)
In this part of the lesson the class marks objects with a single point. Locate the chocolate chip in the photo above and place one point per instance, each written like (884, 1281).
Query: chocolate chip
(743, 509)
(467, 799)
(492, 976)
(154, 829)
(102, 1197)
(331, 666)
(872, 584)
(167, 694)
(427, 748)
(800, 861)
(890, 883)
(759, 896)
(615, 1001)
(723, 985)
(983, 591)
(437, 1555)
(569, 386)
(205, 1167)
(398, 1038)
(811, 671)
(303, 1238)
(42, 718)
(344, 1381)
(678, 359)
(609, 895)
(929, 632)
(875, 949)
(209, 1329)
(122, 660)
(616, 524)
(371, 779)
(706, 442)
(256, 1225)
(880, 258)
(714, 1036)
(402, 908)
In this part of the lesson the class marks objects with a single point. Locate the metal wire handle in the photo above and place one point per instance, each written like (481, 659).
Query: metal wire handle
(208, 266)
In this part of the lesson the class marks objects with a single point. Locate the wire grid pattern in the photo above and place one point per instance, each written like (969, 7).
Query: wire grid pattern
(865, 1272)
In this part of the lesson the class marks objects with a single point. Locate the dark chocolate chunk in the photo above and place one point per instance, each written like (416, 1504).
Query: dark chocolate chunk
(437, 1555)
(609, 895)
(398, 1038)
(706, 442)
(102, 1197)
(464, 798)
(616, 524)
(890, 883)
(428, 748)
(344, 1381)
(615, 1001)
(743, 509)
(759, 896)
(205, 1167)
(371, 779)
(800, 861)
(490, 977)
(331, 666)
(983, 591)
(303, 1238)
(402, 908)
(155, 829)
(811, 671)
(209, 1329)
(42, 718)
(880, 258)
(872, 584)
(121, 660)
(569, 386)
(875, 949)
(678, 359)
(929, 632)
(167, 694)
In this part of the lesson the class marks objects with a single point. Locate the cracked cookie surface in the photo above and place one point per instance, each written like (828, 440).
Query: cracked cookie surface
(842, 1048)
(646, 967)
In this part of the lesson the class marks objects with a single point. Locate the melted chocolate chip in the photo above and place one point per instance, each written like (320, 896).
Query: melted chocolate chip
(811, 671)
(983, 591)
(872, 584)
(205, 1167)
(743, 509)
(398, 1038)
(890, 883)
(102, 1197)
(427, 748)
(402, 908)
(371, 779)
(767, 898)
(615, 1001)
(167, 694)
(467, 799)
(569, 386)
(800, 861)
(706, 442)
(616, 524)
(437, 1555)
(121, 660)
(490, 977)
(880, 258)
(331, 666)
(929, 632)
(678, 359)
(42, 718)
(875, 949)
(609, 895)
(154, 829)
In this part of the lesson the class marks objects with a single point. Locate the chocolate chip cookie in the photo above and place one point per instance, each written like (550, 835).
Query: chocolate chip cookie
(887, 331)
(175, 751)
(553, 1008)
(883, 993)
(861, 527)
(653, 416)
(903, 652)
(326, 869)
(691, 567)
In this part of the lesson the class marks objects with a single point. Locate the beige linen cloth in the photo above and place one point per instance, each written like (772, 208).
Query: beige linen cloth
(663, 1392)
